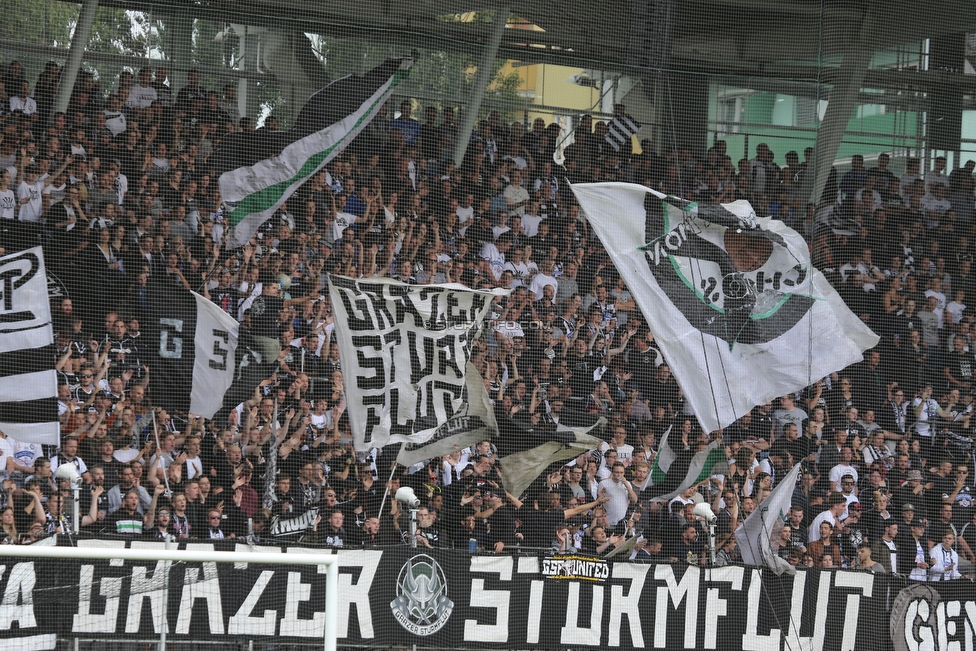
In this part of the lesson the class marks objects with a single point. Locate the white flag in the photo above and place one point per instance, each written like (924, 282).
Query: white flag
(740, 313)
(404, 351)
(758, 537)
(28, 381)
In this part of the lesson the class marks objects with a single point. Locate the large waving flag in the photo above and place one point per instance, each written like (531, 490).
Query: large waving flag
(405, 350)
(675, 471)
(28, 381)
(759, 534)
(264, 168)
(525, 452)
(739, 311)
(474, 423)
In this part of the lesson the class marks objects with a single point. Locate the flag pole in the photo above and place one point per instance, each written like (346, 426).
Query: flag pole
(272, 467)
(158, 455)
(386, 488)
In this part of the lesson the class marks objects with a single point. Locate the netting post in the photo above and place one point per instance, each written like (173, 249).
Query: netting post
(76, 54)
(480, 84)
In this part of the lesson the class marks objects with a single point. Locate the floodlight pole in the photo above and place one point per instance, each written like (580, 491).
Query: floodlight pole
(75, 509)
(711, 539)
(413, 528)
(480, 84)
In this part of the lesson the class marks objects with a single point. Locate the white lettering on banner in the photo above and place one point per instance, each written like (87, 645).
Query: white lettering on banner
(686, 590)
(291, 625)
(751, 640)
(627, 604)
(407, 347)
(498, 600)
(534, 615)
(242, 623)
(207, 589)
(530, 565)
(864, 581)
(793, 636)
(573, 634)
(18, 597)
(142, 588)
(715, 606)
(356, 594)
(110, 587)
(928, 623)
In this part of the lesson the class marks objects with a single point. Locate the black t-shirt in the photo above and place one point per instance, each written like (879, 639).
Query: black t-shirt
(264, 315)
(226, 299)
(960, 366)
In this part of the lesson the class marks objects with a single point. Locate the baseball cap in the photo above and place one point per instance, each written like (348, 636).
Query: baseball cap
(907, 507)
(914, 474)
(918, 522)
(854, 506)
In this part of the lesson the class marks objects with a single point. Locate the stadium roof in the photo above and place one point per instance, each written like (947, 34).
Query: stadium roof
(783, 39)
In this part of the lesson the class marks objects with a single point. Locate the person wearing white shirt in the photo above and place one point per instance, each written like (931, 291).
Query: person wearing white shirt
(620, 493)
(516, 196)
(465, 210)
(495, 254)
(838, 504)
(141, 93)
(30, 196)
(543, 278)
(23, 102)
(531, 219)
(935, 290)
(8, 201)
(937, 176)
(944, 565)
(114, 117)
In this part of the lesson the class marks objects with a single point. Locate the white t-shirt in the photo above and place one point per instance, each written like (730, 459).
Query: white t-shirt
(31, 211)
(341, 222)
(141, 96)
(8, 204)
(955, 310)
(494, 257)
(464, 215)
(825, 516)
(114, 122)
(530, 224)
(27, 105)
(539, 281)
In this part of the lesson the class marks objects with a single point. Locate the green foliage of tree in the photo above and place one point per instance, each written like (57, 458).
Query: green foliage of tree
(40, 22)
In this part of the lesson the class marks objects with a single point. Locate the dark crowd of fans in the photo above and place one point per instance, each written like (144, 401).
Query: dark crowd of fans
(121, 192)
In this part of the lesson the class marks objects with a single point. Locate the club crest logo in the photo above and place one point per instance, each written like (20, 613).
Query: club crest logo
(422, 605)
(729, 277)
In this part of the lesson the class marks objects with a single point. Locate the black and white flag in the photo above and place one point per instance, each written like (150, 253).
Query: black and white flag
(28, 381)
(404, 350)
(194, 342)
(620, 130)
(468, 427)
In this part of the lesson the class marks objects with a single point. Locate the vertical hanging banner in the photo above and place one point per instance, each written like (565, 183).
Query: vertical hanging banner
(739, 311)
(28, 381)
(404, 350)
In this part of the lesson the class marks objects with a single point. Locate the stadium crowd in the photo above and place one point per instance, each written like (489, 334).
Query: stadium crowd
(121, 191)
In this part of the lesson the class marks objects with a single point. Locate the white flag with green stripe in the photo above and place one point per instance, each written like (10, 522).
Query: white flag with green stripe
(675, 471)
(331, 119)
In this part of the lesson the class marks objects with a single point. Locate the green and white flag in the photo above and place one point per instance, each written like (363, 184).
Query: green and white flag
(675, 471)
(264, 168)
